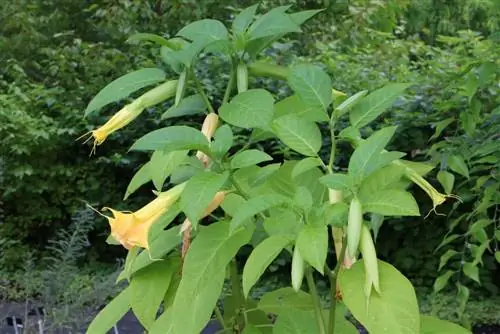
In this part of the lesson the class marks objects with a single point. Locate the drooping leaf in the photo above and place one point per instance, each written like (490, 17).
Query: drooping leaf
(379, 180)
(203, 274)
(440, 126)
(295, 105)
(301, 136)
(163, 163)
(365, 158)
(199, 192)
(458, 165)
(447, 180)
(253, 108)
(148, 287)
(124, 86)
(433, 325)
(275, 22)
(312, 84)
(260, 258)
(141, 177)
(394, 310)
(190, 105)
(304, 165)
(313, 245)
(249, 158)
(223, 140)
(374, 104)
(443, 260)
(337, 181)
(172, 138)
(243, 19)
(111, 314)
(205, 30)
(254, 206)
(391, 202)
(471, 271)
(282, 222)
(442, 280)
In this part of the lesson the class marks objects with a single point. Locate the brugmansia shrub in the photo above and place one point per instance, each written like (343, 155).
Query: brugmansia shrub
(177, 271)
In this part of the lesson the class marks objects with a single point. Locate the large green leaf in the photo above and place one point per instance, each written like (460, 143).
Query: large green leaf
(433, 325)
(199, 192)
(305, 165)
(163, 163)
(124, 86)
(261, 257)
(312, 84)
(337, 181)
(394, 310)
(206, 30)
(284, 222)
(458, 165)
(391, 202)
(141, 177)
(273, 23)
(379, 180)
(203, 275)
(249, 158)
(365, 158)
(303, 16)
(294, 105)
(301, 136)
(243, 19)
(253, 108)
(172, 138)
(111, 314)
(190, 105)
(313, 245)
(223, 140)
(151, 38)
(284, 299)
(255, 206)
(296, 322)
(375, 104)
(148, 287)
(164, 324)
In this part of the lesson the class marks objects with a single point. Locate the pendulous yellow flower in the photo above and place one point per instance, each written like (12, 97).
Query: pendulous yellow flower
(132, 228)
(130, 112)
(208, 129)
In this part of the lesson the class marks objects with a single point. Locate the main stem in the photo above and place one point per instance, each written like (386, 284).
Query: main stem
(200, 91)
(230, 84)
(333, 289)
(236, 289)
(316, 301)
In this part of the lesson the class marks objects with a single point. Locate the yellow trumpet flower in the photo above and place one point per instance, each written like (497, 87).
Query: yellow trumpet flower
(208, 129)
(130, 112)
(132, 228)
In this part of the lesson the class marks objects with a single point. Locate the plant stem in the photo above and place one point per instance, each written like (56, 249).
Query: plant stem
(200, 91)
(333, 289)
(316, 301)
(219, 317)
(333, 145)
(230, 83)
(236, 289)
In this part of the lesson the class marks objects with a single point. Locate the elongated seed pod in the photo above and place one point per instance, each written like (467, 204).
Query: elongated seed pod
(242, 78)
(370, 260)
(297, 269)
(158, 94)
(181, 87)
(264, 69)
(354, 224)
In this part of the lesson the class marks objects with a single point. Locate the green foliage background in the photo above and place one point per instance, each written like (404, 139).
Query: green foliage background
(57, 54)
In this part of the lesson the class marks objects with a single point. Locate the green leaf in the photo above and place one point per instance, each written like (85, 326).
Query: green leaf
(471, 271)
(294, 105)
(458, 165)
(253, 108)
(223, 140)
(442, 280)
(303, 198)
(124, 86)
(301, 136)
(479, 225)
(260, 258)
(285, 299)
(346, 105)
(391, 202)
(303, 16)
(336, 214)
(433, 325)
(463, 297)
(163, 163)
(305, 165)
(312, 84)
(251, 329)
(313, 245)
(443, 260)
(337, 181)
(440, 126)
(172, 138)
(296, 322)
(497, 256)
(263, 174)
(364, 160)
(282, 222)
(376, 222)
(243, 19)
(395, 310)
(203, 275)
(380, 180)
(191, 105)
(273, 23)
(148, 287)
(199, 192)
(249, 158)
(254, 206)
(111, 314)
(151, 38)
(374, 104)
(141, 177)
(164, 324)
(206, 31)
(447, 240)
(447, 180)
